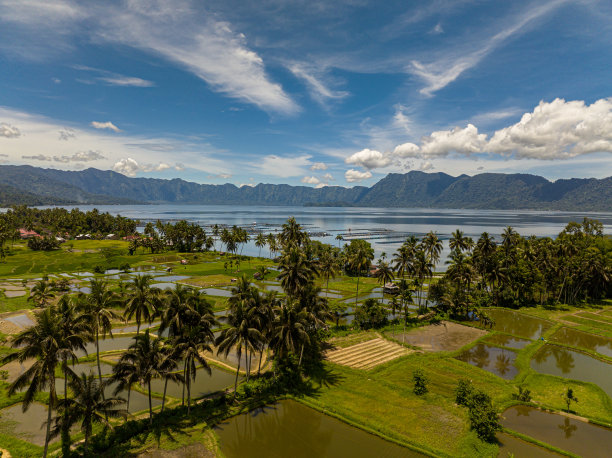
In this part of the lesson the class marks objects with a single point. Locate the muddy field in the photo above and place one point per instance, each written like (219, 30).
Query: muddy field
(445, 336)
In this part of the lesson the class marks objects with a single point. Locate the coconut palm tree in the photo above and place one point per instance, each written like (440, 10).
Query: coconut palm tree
(292, 234)
(404, 257)
(142, 300)
(45, 343)
(290, 329)
(296, 271)
(141, 361)
(75, 332)
(260, 242)
(42, 293)
(88, 405)
(360, 259)
(97, 306)
(265, 319)
(432, 246)
(242, 332)
(339, 238)
(460, 242)
(169, 366)
(384, 274)
(328, 267)
(190, 345)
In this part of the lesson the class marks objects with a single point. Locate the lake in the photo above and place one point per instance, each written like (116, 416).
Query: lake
(392, 225)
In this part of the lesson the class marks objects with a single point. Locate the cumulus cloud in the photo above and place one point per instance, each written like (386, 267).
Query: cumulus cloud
(105, 125)
(127, 167)
(558, 130)
(426, 166)
(81, 156)
(67, 134)
(406, 150)
(8, 131)
(462, 141)
(311, 180)
(328, 177)
(355, 176)
(318, 166)
(369, 159)
(37, 157)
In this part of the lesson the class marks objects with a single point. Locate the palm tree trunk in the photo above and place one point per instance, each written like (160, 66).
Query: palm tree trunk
(164, 398)
(49, 411)
(260, 358)
(301, 354)
(357, 296)
(184, 382)
(237, 372)
(99, 367)
(188, 389)
(65, 429)
(150, 404)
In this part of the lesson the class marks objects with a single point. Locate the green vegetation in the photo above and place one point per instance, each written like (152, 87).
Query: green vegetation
(429, 401)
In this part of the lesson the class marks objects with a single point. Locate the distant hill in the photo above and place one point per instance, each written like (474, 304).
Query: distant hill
(38, 186)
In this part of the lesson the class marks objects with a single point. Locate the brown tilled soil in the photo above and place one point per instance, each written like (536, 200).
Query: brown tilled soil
(366, 355)
(445, 336)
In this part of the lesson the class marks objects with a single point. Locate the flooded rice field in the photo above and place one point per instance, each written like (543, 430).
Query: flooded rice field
(288, 428)
(563, 362)
(575, 338)
(583, 439)
(519, 324)
(496, 360)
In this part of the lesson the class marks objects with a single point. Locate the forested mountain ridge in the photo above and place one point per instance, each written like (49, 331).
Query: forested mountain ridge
(412, 189)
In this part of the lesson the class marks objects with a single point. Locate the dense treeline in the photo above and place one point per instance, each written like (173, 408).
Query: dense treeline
(61, 221)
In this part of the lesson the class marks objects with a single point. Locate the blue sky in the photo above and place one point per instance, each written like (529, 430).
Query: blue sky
(307, 92)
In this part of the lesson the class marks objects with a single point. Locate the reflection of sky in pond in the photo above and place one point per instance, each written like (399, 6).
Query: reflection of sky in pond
(577, 338)
(516, 323)
(578, 437)
(508, 341)
(563, 362)
(217, 292)
(22, 320)
(498, 361)
(172, 278)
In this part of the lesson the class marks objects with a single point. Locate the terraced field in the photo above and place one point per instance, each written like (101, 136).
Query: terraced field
(366, 355)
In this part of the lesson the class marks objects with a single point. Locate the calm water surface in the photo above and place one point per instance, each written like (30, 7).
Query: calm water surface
(493, 359)
(577, 338)
(290, 429)
(584, 439)
(338, 220)
(519, 324)
(571, 364)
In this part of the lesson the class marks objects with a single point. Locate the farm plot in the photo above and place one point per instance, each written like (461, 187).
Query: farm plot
(366, 355)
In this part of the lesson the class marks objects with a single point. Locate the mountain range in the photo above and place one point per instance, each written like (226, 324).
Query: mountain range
(38, 186)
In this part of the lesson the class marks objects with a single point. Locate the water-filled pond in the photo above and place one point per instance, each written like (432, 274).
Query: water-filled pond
(172, 278)
(217, 292)
(529, 327)
(290, 429)
(203, 385)
(108, 344)
(87, 367)
(496, 360)
(562, 362)
(26, 425)
(134, 328)
(510, 445)
(164, 285)
(577, 338)
(584, 439)
(505, 340)
(23, 320)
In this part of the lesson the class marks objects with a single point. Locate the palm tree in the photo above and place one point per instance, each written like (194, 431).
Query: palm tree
(75, 332)
(42, 342)
(432, 246)
(260, 242)
(296, 271)
(339, 238)
(169, 366)
(289, 329)
(423, 267)
(42, 293)
(328, 267)
(459, 242)
(89, 406)
(242, 331)
(360, 259)
(142, 361)
(176, 310)
(292, 234)
(404, 257)
(265, 320)
(190, 345)
(98, 308)
(142, 300)
(384, 275)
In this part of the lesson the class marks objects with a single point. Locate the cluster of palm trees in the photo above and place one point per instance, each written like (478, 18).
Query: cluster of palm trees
(519, 271)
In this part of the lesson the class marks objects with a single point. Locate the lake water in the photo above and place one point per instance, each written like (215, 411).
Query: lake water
(392, 225)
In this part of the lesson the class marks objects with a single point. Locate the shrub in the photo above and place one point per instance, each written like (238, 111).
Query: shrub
(45, 243)
(524, 395)
(483, 418)
(420, 382)
(125, 267)
(99, 269)
(370, 315)
(463, 392)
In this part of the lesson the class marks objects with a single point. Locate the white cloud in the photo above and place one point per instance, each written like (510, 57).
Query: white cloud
(311, 180)
(426, 166)
(400, 120)
(127, 81)
(558, 130)
(355, 176)
(80, 156)
(463, 141)
(437, 29)
(318, 166)
(223, 176)
(406, 150)
(56, 80)
(440, 73)
(127, 167)
(283, 167)
(250, 185)
(67, 134)
(317, 89)
(37, 157)
(8, 131)
(369, 159)
(105, 125)
(328, 177)
(321, 185)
